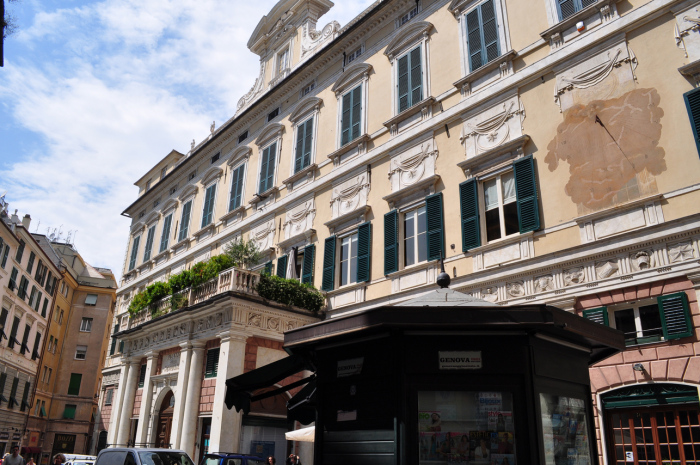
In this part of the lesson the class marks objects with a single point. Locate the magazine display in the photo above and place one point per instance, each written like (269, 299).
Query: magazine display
(466, 428)
(566, 439)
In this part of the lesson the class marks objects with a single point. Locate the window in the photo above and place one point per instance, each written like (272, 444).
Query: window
(91, 300)
(172, 190)
(37, 302)
(410, 79)
(192, 175)
(163, 172)
(13, 279)
(156, 202)
(351, 125)
(215, 158)
(20, 251)
(134, 252)
(149, 243)
(36, 408)
(55, 345)
(500, 205)
(108, 396)
(212, 367)
(4, 256)
(692, 104)
(46, 370)
(408, 16)
(40, 275)
(12, 340)
(185, 221)
(353, 261)
(86, 324)
(113, 347)
(567, 8)
(44, 307)
(307, 89)
(60, 318)
(23, 349)
(69, 411)
(208, 210)
(307, 264)
(30, 262)
(482, 35)
(273, 114)
(236, 187)
(304, 144)
(32, 296)
(37, 341)
(282, 61)
(25, 397)
(51, 342)
(352, 56)
(50, 372)
(23, 285)
(267, 168)
(74, 385)
(3, 381)
(421, 233)
(142, 375)
(148, 185)
(142, 214)
(13, 393)
(42, 411)
(165, 234)
(3, 321)
(49, 287)
(663, 319)
(242, 136)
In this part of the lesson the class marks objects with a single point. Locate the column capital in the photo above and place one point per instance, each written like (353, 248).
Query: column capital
(227, 336)
(184, 346)
(196, 345)
(151, 354)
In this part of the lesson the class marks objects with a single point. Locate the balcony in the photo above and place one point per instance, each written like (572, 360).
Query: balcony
(230, 280)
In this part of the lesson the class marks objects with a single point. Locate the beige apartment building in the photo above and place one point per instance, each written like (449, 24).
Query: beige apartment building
(547, 149)
(28, 277)
(65, 409)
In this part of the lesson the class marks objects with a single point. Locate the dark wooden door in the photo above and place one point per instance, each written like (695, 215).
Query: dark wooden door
(165, 421)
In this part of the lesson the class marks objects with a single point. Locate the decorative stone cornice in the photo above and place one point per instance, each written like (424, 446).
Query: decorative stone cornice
(406, 36)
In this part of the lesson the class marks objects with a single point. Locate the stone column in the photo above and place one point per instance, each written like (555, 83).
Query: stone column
(180, 393)
(116, 402)
(127, 405)
(225, 423)
(194, 390)
(146, 399)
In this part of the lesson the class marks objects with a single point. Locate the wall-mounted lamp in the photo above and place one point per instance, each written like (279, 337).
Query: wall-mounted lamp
(638, 367)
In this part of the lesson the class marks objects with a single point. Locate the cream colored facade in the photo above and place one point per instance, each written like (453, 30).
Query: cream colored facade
(566, 162)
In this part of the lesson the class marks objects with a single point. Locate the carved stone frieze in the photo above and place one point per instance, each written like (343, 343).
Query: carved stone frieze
(544, 283)
(312, 40)
(573, 276)
(490, 294)
(642, 260)
(607, 268)
(515, 289)
(171, 363)
(350, 195)
(263, 234)
(493, 127)
(413, 165)
(680, 252)
(299, 219)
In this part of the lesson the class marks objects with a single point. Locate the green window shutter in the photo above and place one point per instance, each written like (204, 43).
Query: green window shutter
(364, 252)
(346, 119)
(142, 375)
(134, 252)
(13, 393)
(282, 266)
(404, 91)
(13, 333)
(391, 242)
(165, 236)
(416, 76)
(113, 348)
(208, 211)
(599, 315)
(474, 39)
(149, 243)
(307, 269)
(3, 379)
(74, 385)
(489, 28)
(268, 268)
(212, 366)
(37, 275)
(356, 112)
(69, 412)
(526, 194)
(299, 153)
(692, 104)
(328, 283)
(435, 233)
(267, 168)
(35, 352)
(30, 263)
(236, 188)
(38, 301)
(45, 306)
(675, 316)
(25, 397)
(185, 221)
(25, 338)
(3, 321)
(469, 209)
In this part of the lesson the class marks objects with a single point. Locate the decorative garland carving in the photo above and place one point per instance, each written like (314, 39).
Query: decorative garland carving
(312, 39)
(254, 91)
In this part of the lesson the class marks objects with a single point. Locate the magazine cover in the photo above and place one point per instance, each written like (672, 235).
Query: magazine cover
(494, 442)
(442, 446)
(480, 446)
(460, 445)
(502, 459)
(429, 420)
(505, 443)
(427, 446)
(500, 420)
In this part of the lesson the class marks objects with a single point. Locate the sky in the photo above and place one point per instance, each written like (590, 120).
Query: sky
(94, 93)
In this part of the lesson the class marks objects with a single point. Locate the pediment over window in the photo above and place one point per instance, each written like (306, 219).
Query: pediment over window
(137, 227)
(213, 173)
(304, 107)
(187, 191)
(271, 131)
(238, 154)
(350, 76)
(168, 204)
(152, 217)
(406, 36)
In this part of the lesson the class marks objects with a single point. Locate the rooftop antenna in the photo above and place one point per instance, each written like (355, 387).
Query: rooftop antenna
(37, 227)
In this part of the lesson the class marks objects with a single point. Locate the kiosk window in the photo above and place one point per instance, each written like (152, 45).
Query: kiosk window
(564, 429)
(466, 427)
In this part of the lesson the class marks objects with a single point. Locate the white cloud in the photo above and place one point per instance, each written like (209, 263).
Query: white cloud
(109, 88)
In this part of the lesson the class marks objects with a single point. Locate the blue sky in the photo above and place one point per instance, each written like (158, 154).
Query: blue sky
(94, 93)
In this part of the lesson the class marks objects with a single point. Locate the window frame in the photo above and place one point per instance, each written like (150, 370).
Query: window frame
(403, 212)
(212, 204)
(497, 175)
(243, 166)
(86, 322)
(554, 12)
(407, 39)
(80, 353)
(183, 232)
(504, 43)
(213, 370)
(277, 142)
(133, 258)
(148, 246)
(299, 122)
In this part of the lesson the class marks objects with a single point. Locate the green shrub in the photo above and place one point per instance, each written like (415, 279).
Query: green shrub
(290, 292)
(180, 281)
(139, 302)
(178, 301)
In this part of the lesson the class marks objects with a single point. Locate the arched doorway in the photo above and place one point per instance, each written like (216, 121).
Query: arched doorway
(165, 420)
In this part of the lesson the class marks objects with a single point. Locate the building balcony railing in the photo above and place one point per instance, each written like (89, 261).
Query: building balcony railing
(232, 279)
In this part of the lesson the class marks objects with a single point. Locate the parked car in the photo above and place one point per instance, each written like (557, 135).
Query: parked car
(228, 458)
(142, 456)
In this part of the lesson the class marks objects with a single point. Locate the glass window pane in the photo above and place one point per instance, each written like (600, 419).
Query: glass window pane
(493, 225)
(422, 221)
(564, 424)
(510, 217)
(345, 249)
(508, 185)
(491, 194)
(624, 321)
(650, 320)
(409, 229)
(409, 252)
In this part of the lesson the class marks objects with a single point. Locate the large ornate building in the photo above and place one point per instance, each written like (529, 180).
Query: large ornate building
(561, 138)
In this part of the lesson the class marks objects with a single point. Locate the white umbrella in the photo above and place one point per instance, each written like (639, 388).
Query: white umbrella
(303, 434)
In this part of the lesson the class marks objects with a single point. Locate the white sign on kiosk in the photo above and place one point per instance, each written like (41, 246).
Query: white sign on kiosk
(350, 367)
(460, 360)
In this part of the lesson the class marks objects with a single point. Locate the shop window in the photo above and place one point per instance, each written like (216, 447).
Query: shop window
(565, 426)
(350, 254)
(648, 321)
(212, 365)
(500, 205)
(74, 385)
(165, 234)
(149, 243)
(413, 236)
(466, 427)
(81, 352)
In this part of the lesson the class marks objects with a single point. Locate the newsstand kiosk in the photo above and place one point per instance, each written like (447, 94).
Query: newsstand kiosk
(447, 379)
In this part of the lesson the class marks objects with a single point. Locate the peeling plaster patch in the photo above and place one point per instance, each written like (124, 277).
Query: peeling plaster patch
(616, 163)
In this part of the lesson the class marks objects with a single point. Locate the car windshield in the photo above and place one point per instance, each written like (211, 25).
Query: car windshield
(256, 462)
(164, 458)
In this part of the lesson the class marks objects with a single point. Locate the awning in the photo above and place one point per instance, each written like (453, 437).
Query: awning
(240, 388)
(303, 434)
(302, 407)
(30, 450)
